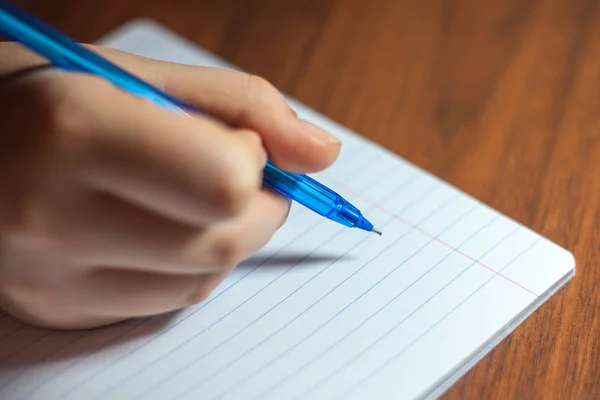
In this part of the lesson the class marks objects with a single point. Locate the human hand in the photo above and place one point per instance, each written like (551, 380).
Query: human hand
(113, 208)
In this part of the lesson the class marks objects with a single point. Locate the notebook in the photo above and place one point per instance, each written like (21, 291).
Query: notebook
(322, 311)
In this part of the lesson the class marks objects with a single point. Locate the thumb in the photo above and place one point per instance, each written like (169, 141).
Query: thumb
(243, 101)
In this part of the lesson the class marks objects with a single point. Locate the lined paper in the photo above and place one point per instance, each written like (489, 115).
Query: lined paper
(322, 312)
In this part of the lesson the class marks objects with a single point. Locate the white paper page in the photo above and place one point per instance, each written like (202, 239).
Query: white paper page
(323, 311)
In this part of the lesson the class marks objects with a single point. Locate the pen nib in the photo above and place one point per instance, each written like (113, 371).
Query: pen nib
(377, 231)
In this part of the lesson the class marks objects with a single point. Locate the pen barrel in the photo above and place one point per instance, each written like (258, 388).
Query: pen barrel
(67, 54)
(312, 194)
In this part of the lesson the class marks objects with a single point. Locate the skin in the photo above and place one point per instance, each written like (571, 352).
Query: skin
(113, 208)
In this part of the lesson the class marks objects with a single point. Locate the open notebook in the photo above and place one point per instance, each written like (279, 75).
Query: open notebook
(322, 312)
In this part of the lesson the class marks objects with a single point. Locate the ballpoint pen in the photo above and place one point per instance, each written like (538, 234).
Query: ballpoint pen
(67, 54)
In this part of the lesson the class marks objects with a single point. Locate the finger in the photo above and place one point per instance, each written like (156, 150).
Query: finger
(112, 232)
(231, 242)
(193, 170)
(14, 58)
(241, 100)
(116, 293)
(107, 295)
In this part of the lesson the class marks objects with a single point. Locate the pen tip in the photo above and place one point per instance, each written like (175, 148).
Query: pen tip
(377, 231)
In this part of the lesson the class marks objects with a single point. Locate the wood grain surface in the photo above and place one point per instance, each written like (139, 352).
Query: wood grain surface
(500, 98)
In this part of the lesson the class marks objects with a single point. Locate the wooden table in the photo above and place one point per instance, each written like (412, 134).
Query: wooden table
(500, 98)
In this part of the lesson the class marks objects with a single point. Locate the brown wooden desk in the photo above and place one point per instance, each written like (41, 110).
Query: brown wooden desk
(500, 98)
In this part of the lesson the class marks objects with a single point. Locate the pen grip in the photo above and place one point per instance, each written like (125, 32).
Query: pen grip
(311, 194)
(67, 54)
(301, 188)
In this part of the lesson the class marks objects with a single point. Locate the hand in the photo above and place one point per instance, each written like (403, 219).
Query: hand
(113, 208)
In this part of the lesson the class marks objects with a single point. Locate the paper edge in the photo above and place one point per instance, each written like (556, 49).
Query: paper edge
(441, 386)
(444, 384)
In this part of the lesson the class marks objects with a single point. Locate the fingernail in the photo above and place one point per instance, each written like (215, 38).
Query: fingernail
(318, 133)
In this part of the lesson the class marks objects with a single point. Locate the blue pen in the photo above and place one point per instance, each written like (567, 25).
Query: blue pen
(69, 55)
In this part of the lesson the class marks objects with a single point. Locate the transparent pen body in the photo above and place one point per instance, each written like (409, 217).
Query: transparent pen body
(69, 55)
(314, 196)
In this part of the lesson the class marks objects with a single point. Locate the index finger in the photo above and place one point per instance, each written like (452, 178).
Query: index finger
(244, 101)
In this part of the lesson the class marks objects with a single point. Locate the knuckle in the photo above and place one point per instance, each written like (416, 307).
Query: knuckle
(238, 181)
(55, 119)
(67, 119)
(260, 93)
(54, 103)
(70, 113)
(233, 195)
(62, 106)
(30, 296)
(200, 293)
(227, 252)
(203, 288)
(256, 84)
(73, 121)
(254, 144)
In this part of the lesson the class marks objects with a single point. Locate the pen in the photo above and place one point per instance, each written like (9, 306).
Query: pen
(67, 54)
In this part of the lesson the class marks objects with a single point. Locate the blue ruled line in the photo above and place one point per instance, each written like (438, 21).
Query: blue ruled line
(340, 231)
(394, 357)
(206, 303)
(272, 361)
(393, 299)
(423, 195)
(395, 242)
(399, 323)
